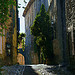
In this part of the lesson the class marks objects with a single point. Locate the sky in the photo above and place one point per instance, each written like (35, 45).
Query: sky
(21, 10)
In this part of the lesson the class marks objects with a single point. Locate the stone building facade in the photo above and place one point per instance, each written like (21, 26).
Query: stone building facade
(31, 10)
(11, 36)
(70, 26)
(2, 47)
(8, 52)
(21, 54)
(62, 19)
(57, 16)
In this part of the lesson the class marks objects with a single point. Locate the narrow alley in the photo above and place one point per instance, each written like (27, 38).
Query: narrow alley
(37, 37)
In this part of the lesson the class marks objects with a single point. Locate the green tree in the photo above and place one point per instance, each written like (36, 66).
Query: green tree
(41, 29)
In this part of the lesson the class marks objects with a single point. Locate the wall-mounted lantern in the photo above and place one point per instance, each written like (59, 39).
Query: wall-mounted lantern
(53, 27)
(8, 49)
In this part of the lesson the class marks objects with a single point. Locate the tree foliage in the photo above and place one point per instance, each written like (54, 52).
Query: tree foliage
(21, 36)
(21, 39)
(41, 29)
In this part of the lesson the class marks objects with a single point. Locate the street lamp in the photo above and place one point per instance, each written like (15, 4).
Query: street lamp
(53, 27)
(8, 49)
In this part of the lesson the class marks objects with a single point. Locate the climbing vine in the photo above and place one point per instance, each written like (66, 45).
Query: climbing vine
(4, 12)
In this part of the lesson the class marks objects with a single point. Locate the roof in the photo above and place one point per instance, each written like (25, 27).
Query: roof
(27, 7)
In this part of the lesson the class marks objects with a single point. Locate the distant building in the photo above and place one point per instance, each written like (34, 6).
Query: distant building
(31, 10)
(21, 54)
(20, 57)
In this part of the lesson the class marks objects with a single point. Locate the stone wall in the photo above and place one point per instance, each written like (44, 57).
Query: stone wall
(10, 38)
(2, 48)
(20, 59)
(70, 24)
(14, 35)
(57, 51)
(0, 45)
(62, 17)
(57, 16)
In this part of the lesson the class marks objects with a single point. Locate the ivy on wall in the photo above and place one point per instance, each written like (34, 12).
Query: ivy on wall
(4, 13)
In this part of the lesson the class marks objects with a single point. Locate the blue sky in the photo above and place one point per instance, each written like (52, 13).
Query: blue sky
(21, 10)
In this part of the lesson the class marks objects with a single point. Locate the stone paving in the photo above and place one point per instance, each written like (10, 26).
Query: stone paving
(13, 70)
(39, 69)
(51, 70)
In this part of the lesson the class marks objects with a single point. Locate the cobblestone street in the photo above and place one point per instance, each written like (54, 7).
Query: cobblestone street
(39, 69)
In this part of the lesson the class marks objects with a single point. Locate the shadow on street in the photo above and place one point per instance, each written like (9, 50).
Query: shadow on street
(29, 71)
(58, 70)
